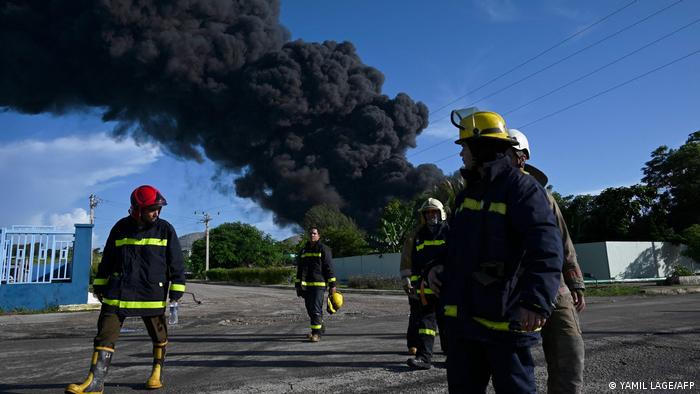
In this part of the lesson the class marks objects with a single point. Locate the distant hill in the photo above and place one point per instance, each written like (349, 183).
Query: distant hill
(187, 240)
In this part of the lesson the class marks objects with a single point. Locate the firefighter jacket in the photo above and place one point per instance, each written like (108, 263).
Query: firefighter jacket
(504, 252)
(428, 249)
(315, 266)
(139, 267)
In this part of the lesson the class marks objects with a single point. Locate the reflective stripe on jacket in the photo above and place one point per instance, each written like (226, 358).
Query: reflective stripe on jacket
(139, 268)
(429, 249)
(315, 266)
(504, 252)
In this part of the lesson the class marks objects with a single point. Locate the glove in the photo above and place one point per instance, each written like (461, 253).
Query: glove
(434, 278)
(300, 292)
(407, 285)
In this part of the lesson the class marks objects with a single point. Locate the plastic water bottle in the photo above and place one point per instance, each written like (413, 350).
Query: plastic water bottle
(173, 313)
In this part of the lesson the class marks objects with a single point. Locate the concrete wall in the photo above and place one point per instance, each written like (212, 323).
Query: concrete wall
(381, 265)
(40, 296)
(600, 260)
(631, 260)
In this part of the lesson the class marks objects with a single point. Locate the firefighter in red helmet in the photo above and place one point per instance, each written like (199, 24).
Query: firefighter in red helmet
(141, 266)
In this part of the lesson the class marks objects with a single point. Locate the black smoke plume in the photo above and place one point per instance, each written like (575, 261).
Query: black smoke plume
(299, 123)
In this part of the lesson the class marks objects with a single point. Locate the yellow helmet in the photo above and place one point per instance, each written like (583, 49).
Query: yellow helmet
(335, 301)
(475, 123)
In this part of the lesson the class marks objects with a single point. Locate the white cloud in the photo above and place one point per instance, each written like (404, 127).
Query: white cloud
(498, 10)
(66, 221)
(42, 180)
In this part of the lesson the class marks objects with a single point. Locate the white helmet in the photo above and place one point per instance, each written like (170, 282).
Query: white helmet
(522, 144)
(433, 204)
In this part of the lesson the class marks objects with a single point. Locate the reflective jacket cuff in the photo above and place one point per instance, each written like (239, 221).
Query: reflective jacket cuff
(331, 282)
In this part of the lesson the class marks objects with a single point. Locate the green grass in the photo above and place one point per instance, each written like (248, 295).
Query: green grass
(612, 290)
(25, 311)
(268, 276)
(374, 282)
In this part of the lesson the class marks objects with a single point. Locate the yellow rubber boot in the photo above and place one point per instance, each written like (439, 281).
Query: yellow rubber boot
(155, 381)
(95, 381)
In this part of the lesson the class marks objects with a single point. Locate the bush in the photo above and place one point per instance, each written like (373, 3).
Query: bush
(374, 282)
(267, 276)
(680, 270)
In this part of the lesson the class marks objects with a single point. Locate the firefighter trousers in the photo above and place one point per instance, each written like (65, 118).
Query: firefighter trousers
(413, 323)
(109, 325)
(471, 363)
(313, 300)
(563, 348)
(427, 328)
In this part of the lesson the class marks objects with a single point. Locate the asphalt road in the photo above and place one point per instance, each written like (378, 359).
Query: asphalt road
(251, 340)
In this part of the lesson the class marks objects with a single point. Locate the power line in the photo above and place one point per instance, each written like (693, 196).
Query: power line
(611, 89)
(548, 67)
(597, 94)
(536, 56)
(602, 67)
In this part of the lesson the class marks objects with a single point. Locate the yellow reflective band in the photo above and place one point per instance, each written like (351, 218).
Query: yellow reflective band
(141, 242)
(176, 287)
(451, 310)
(311, 254)
(426, 331)
(99, 282)
(134, 304)
(331, 280)
(415, 278)
(497, 325)
(498, 207)
(316, 326)
(469, 203)
(313, 283)
(436, 242)
(425, 291)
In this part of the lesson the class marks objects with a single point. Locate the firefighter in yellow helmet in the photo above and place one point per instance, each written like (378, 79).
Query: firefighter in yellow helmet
(503, 264)
(561, 335)
(141, 245)
(425, 249)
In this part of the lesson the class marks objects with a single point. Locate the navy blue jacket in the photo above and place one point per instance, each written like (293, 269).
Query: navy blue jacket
(504, 252)
(139, 267)
(315, 266)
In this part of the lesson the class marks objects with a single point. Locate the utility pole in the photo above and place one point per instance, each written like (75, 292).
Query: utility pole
(94, 202)
(206, 218)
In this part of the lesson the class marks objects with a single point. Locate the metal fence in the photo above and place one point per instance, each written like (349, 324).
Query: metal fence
(35, 254)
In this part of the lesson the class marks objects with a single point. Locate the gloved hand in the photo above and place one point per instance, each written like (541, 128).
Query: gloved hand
(434, 279)
(331, 290)
(300, 291)
(407, 287)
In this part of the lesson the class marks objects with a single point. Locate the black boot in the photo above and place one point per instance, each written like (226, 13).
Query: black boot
(418, 363)
(155, 381)
(95, 381)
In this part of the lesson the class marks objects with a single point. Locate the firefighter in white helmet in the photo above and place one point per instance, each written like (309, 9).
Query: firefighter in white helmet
(425, 249)
(561, 335)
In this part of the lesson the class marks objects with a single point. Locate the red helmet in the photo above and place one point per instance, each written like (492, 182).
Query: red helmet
(144, 197)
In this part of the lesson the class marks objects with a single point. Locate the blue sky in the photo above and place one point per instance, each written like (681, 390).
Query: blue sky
(437, 52)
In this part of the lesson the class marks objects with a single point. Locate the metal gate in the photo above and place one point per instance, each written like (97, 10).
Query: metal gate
(35, 254)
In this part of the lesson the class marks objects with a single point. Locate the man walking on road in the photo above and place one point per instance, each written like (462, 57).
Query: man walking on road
(141, 263)
(561, 336)
(503, 265)
(314, 273)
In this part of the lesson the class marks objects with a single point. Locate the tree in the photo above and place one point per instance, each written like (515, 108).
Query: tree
(691, 237)
(398, 219)
(338, 231)
(234, 245)
(676, 174)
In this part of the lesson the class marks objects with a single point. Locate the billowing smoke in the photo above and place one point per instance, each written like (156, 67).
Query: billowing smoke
(299, 123)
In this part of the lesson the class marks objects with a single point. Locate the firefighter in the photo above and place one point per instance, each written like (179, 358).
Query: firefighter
(413, 299)
(428, 249)
(503, 263)
(314, 273)
(561, 336)
(141, 265)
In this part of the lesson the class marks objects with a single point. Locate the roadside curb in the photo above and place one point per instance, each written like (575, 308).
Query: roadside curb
(668, 290)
